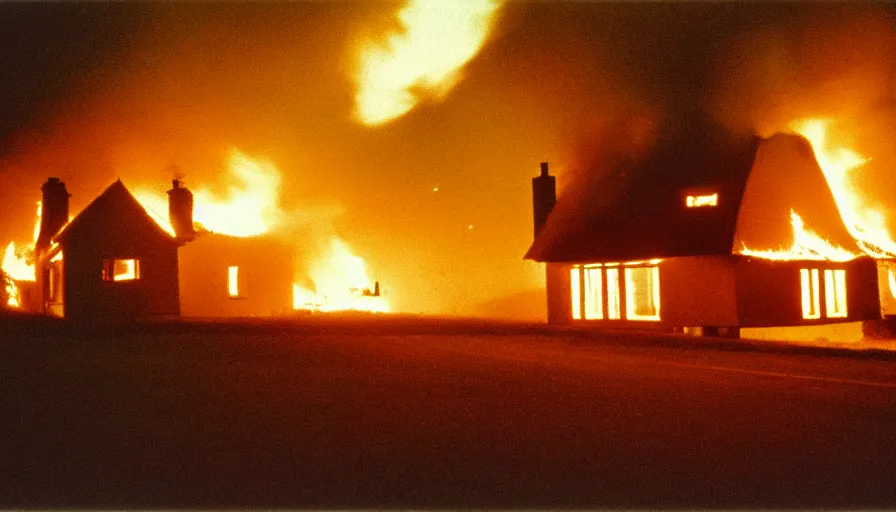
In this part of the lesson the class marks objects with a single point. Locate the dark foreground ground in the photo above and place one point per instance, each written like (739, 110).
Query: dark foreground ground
(409, 412)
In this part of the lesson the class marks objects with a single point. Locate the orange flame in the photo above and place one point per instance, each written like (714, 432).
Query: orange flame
(867, 225)
(807, 245)
(251, 209)
(426, 58)
(340, 283)
(18, 263)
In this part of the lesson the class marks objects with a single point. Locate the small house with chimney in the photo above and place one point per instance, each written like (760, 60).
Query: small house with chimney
(114, 261)
(111, 261)
(228, 276)
(703, 232)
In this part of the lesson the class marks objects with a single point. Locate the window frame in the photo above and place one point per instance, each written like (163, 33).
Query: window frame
(600, 291)
(236, 282)
(654, 296)
(109, 274)
(810, 293)
(835, 297)
(593, 302)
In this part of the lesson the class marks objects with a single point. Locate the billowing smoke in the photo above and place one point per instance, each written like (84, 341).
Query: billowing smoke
(752, 68)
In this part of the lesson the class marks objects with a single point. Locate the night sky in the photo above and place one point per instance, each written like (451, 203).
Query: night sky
(93, 91)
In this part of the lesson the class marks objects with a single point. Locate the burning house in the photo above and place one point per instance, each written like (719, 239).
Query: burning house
(114, 260)
(118, 258)
(111, 261)
(707, 232)
(224, 275)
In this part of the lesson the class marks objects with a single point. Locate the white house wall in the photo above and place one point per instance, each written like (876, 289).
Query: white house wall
(265, 277)
(698, 291)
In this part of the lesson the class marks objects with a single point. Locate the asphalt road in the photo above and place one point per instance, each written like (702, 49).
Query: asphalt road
(415, 414)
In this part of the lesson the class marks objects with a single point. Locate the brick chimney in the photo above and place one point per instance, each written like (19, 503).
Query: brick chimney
(180, 210)
(53, 212)
(544, 197)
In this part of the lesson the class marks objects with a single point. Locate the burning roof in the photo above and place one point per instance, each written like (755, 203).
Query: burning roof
(786, 197)
(634, 205)
(787, 180)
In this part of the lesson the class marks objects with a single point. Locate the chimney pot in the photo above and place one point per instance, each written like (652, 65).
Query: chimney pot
(53, 212)
(544, 197)
(180, 210)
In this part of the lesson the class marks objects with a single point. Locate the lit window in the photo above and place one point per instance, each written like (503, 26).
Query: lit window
(702, 200)
(55, 282)
(614, 305)
(121, 270)
(809, 286)
(594, 303)
(642, 293)
(233, 281)
(576, 295)
(835, 293)
(891, 279)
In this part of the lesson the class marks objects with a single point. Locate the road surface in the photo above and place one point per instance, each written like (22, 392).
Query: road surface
(412, 413)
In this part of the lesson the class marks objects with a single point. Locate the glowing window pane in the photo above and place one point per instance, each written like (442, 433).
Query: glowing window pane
(594, 299)
(642, 293)
(702, 200)
(835, 293)
(55, 281)
(121, 270)
(891, 279)
(575, 295)
(614, 306)
(233, 275)
(810, 299)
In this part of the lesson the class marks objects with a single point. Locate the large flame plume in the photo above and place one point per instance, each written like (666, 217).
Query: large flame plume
(865, 223)
(439, 37)
(249, 206)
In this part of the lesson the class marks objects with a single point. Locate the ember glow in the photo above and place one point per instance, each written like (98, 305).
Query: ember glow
(866, 224)
(807, 245)
(426, 58)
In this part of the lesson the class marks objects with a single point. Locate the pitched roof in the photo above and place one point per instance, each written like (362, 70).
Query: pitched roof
(117, 205)
(634, 207)
(786, 178)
